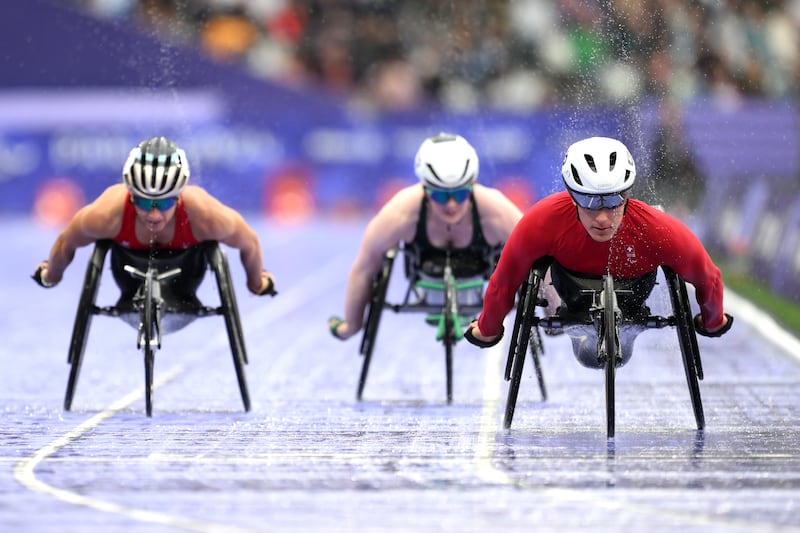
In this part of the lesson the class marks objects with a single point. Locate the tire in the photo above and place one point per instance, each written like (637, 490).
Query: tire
(377, 299)
(148, 332)
(83, 318)
(610, 340)
(450, 316)
(523, 329)
(230, 312)
(687, 340)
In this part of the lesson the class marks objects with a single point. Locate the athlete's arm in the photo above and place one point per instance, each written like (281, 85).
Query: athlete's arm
(526, 244)
(687, 256)
(212, 220)
(98, 220)
(395, 222)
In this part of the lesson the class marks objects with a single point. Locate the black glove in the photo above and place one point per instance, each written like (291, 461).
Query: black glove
(37, 276)
(269, 289)
(472, 339)
(698, 327)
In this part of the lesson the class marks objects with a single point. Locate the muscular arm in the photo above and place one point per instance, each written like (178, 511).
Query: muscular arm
(214, 221)
(100, 219)
(691, 261)
(395, 222)
(524, 247)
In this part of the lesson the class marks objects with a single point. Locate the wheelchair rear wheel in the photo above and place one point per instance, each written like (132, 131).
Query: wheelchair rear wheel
(524, 328)
(377, 299)
(687, 339)
(83, 319)
(230, 312)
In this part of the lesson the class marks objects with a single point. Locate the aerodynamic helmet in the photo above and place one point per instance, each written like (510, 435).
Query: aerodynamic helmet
(446, 161)
(156, 169)
(598, 166)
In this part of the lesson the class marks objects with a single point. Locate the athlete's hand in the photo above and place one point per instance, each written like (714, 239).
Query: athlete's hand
(267, 285)
(40, 276)
(339, 328)
(719, 332)
(474, 336)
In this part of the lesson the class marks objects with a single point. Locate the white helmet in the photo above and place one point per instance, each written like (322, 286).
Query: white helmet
(598, 166)
(446, 161)
(156, 169)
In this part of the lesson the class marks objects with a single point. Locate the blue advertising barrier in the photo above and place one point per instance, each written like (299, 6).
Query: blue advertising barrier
(77, 93)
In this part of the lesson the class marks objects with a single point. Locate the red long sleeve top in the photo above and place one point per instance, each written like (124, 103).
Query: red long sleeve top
(646, 239)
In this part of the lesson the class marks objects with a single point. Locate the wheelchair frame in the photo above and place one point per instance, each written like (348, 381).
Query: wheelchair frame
(606, 317)
(149, 303)
(449, 317)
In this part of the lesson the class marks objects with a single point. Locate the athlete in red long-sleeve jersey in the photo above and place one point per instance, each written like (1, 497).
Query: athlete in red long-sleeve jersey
(593, 227)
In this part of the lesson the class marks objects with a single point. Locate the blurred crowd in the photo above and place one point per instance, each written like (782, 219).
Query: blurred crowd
(517, 55)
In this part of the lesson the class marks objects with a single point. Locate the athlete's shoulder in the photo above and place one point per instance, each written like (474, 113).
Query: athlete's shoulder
(491, 201)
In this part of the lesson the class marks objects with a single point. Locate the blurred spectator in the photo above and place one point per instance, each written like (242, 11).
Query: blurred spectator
(512, 54)
(675, 181)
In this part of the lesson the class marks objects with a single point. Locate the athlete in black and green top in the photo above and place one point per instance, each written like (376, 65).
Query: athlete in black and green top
(446, 210)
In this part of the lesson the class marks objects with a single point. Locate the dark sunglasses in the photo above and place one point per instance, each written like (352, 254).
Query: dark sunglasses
(146, 204)
(441, 197)
(595, 202)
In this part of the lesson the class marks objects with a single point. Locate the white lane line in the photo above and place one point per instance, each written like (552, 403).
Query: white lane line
(24, 470)
(746, 311)
(484, 450)
(25, 473)
(488, 426)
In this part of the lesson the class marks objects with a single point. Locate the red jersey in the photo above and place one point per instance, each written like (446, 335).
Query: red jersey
(183, 238)
(646, 239)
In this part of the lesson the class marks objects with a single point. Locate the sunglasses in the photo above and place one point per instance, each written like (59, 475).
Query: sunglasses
(441, 197)
(595, 202)
(146, 204)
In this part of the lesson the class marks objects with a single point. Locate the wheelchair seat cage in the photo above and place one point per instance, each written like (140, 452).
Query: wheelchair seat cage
(606, 318)
(150, 304)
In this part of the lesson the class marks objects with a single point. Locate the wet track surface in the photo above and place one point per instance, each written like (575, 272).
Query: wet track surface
(308, 457)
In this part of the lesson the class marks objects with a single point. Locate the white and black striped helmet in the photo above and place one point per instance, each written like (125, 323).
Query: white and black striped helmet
(156, 169)
(446, 161)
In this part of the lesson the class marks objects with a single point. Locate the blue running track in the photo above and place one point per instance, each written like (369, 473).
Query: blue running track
(308, 457)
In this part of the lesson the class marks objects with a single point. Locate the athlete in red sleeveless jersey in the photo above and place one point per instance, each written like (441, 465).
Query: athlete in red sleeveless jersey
(154, 208)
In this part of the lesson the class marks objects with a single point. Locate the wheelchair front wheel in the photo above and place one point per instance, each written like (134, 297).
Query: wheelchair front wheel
(610, 350)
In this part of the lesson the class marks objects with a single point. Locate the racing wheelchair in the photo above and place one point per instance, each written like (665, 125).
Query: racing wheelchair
(449, 299)
(605, 318)
(156, 285)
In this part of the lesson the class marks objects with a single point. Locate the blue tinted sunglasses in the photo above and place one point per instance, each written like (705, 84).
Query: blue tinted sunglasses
(595, 202)
(146, 204)
(441, 197)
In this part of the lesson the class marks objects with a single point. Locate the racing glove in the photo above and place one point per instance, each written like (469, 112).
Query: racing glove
(269, 289)
(698, 327)
(472, 339)
(37, 276)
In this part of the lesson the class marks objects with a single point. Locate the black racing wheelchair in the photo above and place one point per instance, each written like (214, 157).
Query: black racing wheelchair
(449, 299)
(605, 318)
(156, 286)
